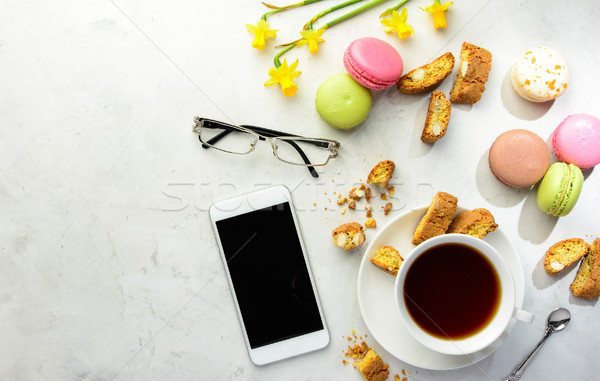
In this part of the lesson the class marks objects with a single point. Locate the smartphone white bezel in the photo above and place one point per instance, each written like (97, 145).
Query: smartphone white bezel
(247, 203)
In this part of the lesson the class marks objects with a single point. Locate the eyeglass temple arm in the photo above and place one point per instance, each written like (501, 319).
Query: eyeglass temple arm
(209, 123)
(311, 169)
(276, 133)
(214, 139)
(273, 133)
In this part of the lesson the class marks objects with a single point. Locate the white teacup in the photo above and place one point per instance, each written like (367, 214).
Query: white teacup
(456, 294)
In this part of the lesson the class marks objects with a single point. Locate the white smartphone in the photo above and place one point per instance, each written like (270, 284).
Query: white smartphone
(267, 268)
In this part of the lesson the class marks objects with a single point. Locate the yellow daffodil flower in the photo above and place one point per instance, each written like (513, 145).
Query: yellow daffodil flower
(312, 38)
(398, 24)
(261, 32)
(284, 76)
(437, 9)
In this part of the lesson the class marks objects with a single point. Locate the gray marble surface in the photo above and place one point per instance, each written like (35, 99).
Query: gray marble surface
(109, 267)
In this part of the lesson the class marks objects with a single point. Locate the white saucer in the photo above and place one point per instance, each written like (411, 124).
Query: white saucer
(378, 306)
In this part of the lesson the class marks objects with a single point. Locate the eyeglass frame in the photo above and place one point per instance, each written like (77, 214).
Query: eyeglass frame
(268, 135)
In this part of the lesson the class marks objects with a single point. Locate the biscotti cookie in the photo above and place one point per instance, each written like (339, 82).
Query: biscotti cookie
(381, 173)
(564, 253)
(349, 235)
(372, 367)
(437, 219)
(587, 281)
(388, 259)
(427, 76)
(477, 223)
(437, 119)
(472, 74)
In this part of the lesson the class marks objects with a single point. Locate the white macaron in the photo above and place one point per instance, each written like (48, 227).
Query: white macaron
(540, 74)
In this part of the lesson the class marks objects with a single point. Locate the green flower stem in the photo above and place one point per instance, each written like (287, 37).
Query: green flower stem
(329, 10)
(395, 8)
(282, 52)
(358, 10)
(279, 9)
(353, 13)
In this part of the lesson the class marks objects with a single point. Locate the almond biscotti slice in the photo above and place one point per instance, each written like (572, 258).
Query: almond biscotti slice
(564, 253)
(388, 259)
(438, 116)
(472, 74)
(477, 223)
(427, 76)
(349, 235)
(437, 219)
(586, 284)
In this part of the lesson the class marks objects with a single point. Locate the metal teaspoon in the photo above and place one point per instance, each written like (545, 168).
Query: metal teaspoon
(557, 320)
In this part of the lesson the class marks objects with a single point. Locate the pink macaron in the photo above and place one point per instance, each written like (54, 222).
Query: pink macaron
(519, 158)
(577, 140)
(373, 63)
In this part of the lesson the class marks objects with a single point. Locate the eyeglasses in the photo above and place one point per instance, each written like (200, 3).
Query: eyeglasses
(292, 149)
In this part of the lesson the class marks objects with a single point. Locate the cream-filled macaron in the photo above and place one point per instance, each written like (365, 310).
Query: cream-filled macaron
(540, 74)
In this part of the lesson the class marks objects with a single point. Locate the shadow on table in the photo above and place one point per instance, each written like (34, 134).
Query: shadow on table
(535, 225)
(519, 107)
(493, 190)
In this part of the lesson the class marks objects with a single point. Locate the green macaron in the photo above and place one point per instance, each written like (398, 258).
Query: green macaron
(342, 102)
(559, 189)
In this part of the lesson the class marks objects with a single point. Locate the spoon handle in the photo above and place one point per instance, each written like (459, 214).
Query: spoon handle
(516, 374)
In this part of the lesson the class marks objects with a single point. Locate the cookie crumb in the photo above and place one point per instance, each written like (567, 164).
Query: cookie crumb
(356, 351)
(387, 208)
(368, 194)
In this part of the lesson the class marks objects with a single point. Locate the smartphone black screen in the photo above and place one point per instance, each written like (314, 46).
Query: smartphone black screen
(269, 275)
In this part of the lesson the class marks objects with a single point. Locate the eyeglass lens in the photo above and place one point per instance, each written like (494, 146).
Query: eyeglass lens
(287, 150)
(234, 141)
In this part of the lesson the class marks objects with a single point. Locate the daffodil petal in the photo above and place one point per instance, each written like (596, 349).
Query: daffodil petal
(294, 65)
(387, 23)
(271, 33)
(446, 5)
(403, 16)
(262, 24)
(271, 82)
